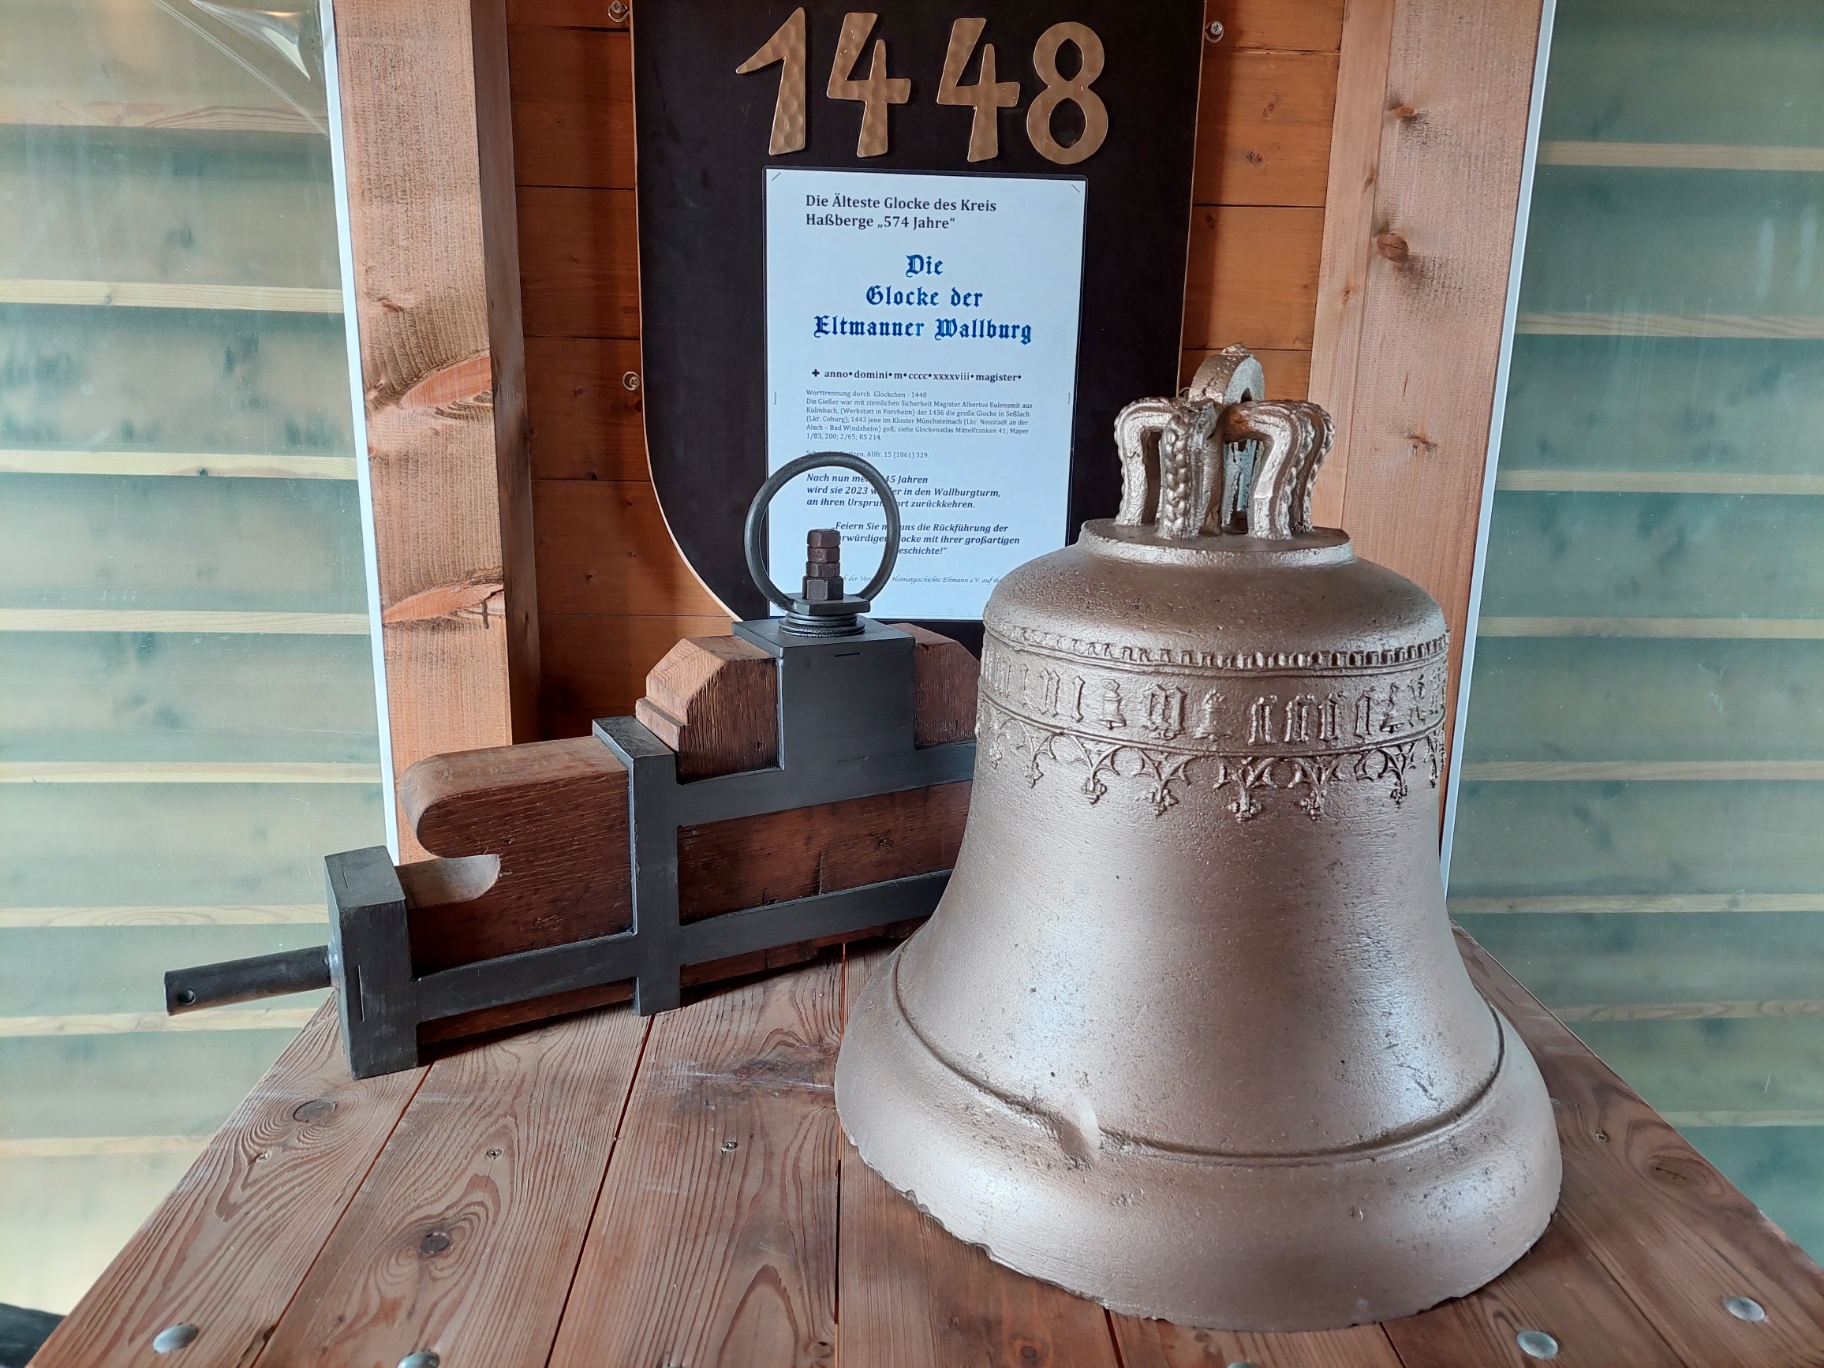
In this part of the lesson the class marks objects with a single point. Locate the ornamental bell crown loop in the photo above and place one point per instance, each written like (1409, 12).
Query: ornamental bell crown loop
(1188, 1033)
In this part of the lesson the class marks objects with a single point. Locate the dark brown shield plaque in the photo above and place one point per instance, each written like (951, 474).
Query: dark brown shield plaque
(706, 131)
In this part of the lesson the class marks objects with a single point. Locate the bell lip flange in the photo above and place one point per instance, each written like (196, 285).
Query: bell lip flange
(923, 1127)
(1322, 546)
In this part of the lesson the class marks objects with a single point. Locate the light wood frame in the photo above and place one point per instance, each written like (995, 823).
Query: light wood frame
(1428, 159)
(427, 157)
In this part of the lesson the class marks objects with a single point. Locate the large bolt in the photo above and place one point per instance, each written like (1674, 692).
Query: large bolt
(822, 566)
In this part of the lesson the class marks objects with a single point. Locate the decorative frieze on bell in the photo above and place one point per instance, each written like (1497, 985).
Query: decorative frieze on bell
(1188, 1033)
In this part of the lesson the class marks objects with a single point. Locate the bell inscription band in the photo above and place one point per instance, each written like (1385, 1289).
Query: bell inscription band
(1188, 1033)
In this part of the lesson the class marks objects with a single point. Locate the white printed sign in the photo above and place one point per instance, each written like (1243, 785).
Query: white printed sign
(928, 324)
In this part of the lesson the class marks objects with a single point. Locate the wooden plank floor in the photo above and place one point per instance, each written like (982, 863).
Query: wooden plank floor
(606, 1192)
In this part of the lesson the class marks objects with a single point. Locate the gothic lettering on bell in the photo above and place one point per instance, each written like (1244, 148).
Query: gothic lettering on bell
(1299, 711)
(1110, 714)
(1051, 685)
(1326, 720)
(1260, 720)
(1388, 719)
(1364, 714)
(1208, 726)
(1056, 694)
(1165, 711)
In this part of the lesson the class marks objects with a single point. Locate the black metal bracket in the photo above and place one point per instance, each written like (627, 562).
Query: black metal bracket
(846, 730)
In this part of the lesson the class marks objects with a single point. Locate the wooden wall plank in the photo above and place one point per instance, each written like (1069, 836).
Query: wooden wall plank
(228, 1248)
(1459, 86)
(572, 106)
(1252, 277)
(1349, 230)
(572, 13)
(579, 262)
(1263, 126)
(421, 295)
(914, 1296)
(588, 424)
(715, 1238)
(469, 1226)
(1663, 1222)
(1301, 25)
(507, 344)
(603, 548)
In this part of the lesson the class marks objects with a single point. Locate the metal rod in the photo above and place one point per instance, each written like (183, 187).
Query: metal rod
(263, 976)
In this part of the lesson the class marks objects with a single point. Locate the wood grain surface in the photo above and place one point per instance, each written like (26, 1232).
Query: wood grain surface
(734, 1225)
(1263, 126)
(715, 701)
(1670, 1229)
(1160, 1344)
(463, 1238)
(227, 1250)
(596, 665)
(715, 1239)
(587, 423)
(1252, 277)
(1447, 186)
(572, 106)
(944, 678)
(1558, 1289)
(1303, 25)
(726, 866)
(507, 360)
(913, 1296)
(552, 814)
(603, 548)
(579, 263)
(1349, 232)
(415, 190)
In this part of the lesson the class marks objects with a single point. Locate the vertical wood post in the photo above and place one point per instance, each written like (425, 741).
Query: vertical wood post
(428, 151)
(1415, 277)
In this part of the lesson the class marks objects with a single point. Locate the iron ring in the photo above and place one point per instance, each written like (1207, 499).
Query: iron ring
(791, 470)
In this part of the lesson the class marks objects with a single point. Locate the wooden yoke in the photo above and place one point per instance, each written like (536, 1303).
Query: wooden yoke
(534, 839)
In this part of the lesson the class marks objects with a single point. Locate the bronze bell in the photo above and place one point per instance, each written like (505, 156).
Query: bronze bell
(1188, 1033)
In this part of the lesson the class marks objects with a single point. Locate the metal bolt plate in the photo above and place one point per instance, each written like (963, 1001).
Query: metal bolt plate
(423, 1358)
(1213, 31)
(173, 1337)
(1537, 1344)
(1745, 1308)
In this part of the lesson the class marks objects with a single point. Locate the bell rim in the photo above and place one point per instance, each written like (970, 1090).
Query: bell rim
(1371, 1238)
